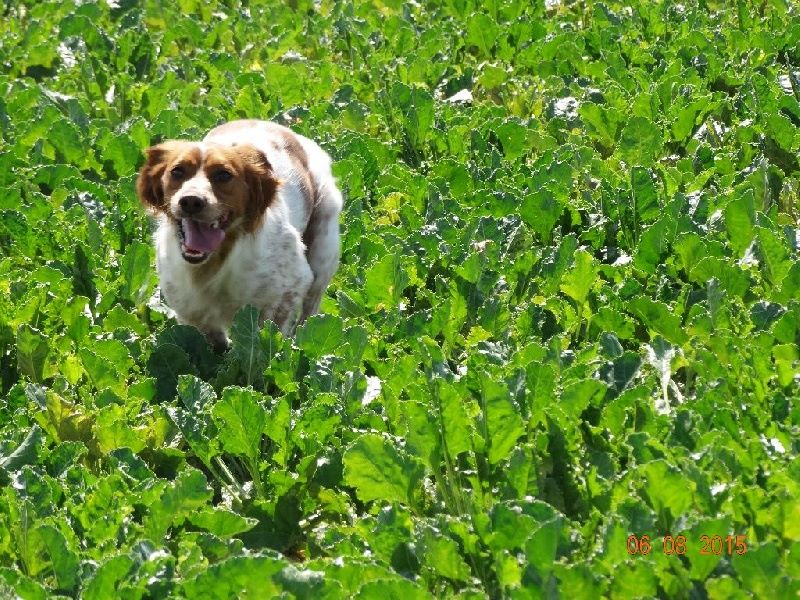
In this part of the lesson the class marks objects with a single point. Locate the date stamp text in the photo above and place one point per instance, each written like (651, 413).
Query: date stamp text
(680, 544)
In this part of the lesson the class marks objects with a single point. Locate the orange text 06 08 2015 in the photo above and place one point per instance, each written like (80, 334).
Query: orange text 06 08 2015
(717, 545)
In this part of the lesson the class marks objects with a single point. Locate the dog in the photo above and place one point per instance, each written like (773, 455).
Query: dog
(249, 215)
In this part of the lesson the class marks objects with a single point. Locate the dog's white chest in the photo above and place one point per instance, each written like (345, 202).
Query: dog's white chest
(266, 269)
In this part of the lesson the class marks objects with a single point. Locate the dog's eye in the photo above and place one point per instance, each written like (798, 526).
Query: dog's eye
(221, 176)
(177, 172)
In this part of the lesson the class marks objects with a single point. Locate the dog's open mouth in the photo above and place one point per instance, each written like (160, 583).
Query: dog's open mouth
(199, 239)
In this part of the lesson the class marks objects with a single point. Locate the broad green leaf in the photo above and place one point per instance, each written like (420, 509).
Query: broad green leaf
(703, 564)
(240, 576)
(356, 338)
(457, 427)
(759, 569)
(354, 573)
(195, 394)
(63, 420)
(577, 396)
(246, 344)
(541, 210)
(64, 456)
(391, 589)
(385, 281)
(379, 470)
(25, 453)
(670, 492)
(442, 555)
(654, 243)
(740, 220)
(645, 195)
(783, 131)
(542, 545)
(14, 226)
(125, 461)
(14, 584)
(194, 344)
(102, 372)
(83, 276)
(307, 583)
(634, 580)
(416, 106)
(482, 33)
(320, 335)
(612, 320)
(640, 142)
(601, 122)
(579, 581)
(557, 263)
(67, 140)
(514, 138)
(689, 116)
(623, 370)
(123, 152)
(504, 425)
(198, 431)
(222, 522)
(775, 256)
(657, 316)
(112, 430)
(105, 580)
(790, 286)
(136, 272)
(421, 431)
(180, 499)
(510, 527)
(63, 559)
(610, 344)
(240, 419)
(279, 421)
(731, 278)
(166, 364)
(32, 351)
(578, 282)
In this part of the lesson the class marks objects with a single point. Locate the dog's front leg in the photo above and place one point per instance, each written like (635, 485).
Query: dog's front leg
(218, 339)
(284, 314)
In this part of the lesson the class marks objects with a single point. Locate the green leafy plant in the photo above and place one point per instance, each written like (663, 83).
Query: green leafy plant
(567, 314)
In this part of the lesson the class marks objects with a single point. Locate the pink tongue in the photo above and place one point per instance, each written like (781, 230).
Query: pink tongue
(201, 237)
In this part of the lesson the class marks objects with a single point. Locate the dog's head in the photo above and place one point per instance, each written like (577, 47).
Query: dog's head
(207, 190)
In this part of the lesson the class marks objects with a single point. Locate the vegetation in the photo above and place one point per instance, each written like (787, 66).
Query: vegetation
(568, 311)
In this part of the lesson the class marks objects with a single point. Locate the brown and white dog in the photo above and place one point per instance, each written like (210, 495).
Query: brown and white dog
(250, 215)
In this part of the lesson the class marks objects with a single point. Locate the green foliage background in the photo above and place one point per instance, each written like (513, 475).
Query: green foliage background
(568, 309)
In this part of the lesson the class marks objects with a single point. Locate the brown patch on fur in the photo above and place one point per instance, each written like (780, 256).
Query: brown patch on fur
(149, 185)
(261, 183)
(283, 138)
(319, 217)
(299, 157)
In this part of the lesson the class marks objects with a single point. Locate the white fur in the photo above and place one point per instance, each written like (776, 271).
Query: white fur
(270, 269)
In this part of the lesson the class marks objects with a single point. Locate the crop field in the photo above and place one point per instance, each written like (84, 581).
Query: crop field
(560, 358)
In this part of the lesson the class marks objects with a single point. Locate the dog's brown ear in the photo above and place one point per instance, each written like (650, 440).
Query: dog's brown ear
(261, 182)
(148, 185)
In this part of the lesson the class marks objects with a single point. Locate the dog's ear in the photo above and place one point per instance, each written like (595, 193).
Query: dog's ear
(148, 185)
(261, 182)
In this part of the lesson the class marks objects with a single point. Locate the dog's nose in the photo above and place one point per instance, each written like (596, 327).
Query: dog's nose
(192, 204)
